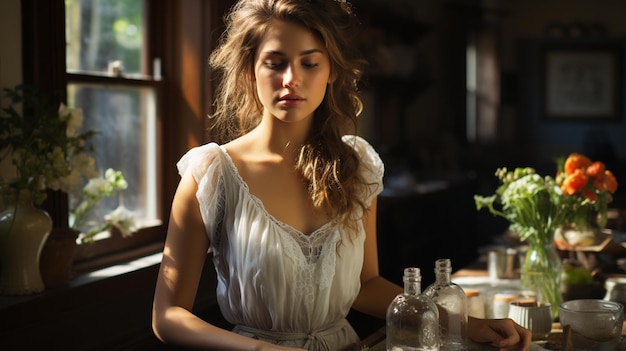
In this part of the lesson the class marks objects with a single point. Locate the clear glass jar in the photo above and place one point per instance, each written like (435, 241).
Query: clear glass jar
(412, 318)
(452, 304)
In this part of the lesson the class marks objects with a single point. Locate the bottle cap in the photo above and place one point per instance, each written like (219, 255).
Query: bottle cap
(443, 264)
(413, 274)
(505, 296)
(471, 292)
(526, 302)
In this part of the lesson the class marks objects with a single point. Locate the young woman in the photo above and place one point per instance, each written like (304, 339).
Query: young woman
(286, 202)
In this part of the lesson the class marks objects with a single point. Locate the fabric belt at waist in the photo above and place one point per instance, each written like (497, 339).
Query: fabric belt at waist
(313, 338)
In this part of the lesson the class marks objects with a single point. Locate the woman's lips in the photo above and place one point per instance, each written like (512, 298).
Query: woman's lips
(291, 100)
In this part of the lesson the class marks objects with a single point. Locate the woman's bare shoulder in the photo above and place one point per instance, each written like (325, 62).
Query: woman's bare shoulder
(243, 149)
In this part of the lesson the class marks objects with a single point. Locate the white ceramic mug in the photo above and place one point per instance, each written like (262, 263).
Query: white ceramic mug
(535, 317)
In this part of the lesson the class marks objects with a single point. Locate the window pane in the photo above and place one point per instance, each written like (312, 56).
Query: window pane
(100, 32)
(125, 120)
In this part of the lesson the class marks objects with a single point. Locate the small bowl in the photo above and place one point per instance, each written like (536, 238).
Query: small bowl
(593, 324)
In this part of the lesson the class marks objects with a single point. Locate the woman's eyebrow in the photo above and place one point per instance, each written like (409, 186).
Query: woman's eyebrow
(310, 51)
(302, 53)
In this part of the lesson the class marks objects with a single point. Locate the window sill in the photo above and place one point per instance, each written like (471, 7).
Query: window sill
(105, 309)
(84, 279)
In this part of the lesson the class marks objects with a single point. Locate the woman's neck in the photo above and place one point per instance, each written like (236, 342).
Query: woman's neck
(280, 137)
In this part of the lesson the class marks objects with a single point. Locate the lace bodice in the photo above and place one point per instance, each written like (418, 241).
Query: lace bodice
(270, 275)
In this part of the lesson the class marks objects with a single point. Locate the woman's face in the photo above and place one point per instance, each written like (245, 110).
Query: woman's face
(291, 70)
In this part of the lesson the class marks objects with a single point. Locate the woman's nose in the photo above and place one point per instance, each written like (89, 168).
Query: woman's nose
(291, 77)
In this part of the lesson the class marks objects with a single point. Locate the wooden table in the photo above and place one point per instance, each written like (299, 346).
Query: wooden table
(376, 342)
(478, 270)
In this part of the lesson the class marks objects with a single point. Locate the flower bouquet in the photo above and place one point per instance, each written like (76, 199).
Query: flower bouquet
(588, 188)
(49, 151)
(539, 207)
(45, 146)
(535, 207)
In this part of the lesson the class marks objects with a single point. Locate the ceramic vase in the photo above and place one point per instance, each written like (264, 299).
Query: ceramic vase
(23, 231)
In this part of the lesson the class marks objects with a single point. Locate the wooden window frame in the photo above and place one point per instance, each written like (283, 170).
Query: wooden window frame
(182, 34)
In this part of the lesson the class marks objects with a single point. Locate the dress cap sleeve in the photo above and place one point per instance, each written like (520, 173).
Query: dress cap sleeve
(204, 162)
(372, 165)
(197, 160)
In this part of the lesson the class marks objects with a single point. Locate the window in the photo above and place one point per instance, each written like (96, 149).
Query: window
(101, 33)
(106, 38)
(482, 88)
(107, 64)
(146, 119)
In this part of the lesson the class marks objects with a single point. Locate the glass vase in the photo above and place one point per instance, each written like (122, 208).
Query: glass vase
(582, 231)
(541, 272)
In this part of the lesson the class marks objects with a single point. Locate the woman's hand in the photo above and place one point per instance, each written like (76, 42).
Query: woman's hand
(279, 348)
(502, 333)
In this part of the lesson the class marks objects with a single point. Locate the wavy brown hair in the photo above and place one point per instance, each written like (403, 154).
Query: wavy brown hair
(328, 166)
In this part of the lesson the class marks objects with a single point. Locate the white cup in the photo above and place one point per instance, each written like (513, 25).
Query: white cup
(535, 317)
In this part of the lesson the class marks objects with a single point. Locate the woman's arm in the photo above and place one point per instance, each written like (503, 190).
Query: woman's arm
(184, 255)
(376, 292)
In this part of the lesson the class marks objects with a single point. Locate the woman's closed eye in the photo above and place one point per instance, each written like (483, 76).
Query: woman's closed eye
(275, 65)
(310, 65)
(280, 65)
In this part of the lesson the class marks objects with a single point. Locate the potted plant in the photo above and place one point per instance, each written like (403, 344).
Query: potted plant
(48, 150)
(537, 207)
(588, 187)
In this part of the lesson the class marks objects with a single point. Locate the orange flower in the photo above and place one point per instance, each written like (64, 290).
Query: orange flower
(595, 170)
(607, 182)
(576, 161)
(590, 195)
(574, 182)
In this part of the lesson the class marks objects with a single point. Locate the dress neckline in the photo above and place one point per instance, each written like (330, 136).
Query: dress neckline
(285, 226)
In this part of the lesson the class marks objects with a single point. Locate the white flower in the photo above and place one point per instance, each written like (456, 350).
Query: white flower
(97, 187)
(123, 219)
(116, 178)
(47, 150)
(532, 204)
(73, 118)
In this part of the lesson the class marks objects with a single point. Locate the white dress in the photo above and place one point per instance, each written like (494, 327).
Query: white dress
(274, 282)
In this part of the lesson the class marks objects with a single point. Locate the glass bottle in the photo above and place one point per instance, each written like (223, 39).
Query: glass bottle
(452, 304)
(412, 318)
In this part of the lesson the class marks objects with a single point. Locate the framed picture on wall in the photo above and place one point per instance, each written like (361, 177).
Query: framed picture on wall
(582, 83)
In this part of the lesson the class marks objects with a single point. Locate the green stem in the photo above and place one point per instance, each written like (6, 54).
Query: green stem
(541, 271)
